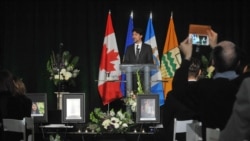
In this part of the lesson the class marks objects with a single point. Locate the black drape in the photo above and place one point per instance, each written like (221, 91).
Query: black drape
(31, 29)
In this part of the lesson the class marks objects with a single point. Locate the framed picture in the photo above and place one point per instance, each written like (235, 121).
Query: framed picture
(39, 110)
(148, 109)
(73, 108)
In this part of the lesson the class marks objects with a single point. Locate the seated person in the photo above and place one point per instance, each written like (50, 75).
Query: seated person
(181, 107)
(238, 125)
(6, 90)
(18, 107)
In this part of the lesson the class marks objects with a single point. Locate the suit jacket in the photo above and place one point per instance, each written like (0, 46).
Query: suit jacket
(145, 57)
(4, 96)
(18, 107)
(238, 125)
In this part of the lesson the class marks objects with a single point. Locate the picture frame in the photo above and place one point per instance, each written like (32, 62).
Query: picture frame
(39, 102)
(148, 109)
(73, 108)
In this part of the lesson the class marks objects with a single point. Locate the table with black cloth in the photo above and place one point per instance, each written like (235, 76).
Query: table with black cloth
(78, 134)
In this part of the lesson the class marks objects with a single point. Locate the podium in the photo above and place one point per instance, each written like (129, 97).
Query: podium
(128, 69)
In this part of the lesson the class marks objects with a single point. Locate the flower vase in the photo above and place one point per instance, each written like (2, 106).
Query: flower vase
(62, 89)
(63, 86)
(59, 99)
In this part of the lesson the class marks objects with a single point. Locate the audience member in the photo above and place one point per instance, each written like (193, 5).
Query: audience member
(6, 90)
(238, 125)
(19, 105)
(182, 107)
(217, 95)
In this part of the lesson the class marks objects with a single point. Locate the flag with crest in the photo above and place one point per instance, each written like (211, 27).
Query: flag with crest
(171, 58)
(129, 41)
(156, 83)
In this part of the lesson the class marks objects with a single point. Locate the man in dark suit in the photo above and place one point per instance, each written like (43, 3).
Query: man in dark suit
(138, 53)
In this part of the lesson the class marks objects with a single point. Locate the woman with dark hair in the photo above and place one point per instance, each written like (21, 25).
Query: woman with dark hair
(18, 107)
(6, 90)
(19, 104)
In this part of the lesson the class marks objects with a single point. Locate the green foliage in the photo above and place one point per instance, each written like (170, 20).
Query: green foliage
(207, 71)
(139, 89)
(56, 138)
(130, 100)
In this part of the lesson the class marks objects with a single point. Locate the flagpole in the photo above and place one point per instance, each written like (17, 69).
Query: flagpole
(108, 109)
(108, 89)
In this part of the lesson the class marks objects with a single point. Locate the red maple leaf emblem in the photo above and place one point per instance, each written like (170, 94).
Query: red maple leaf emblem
(107, 58)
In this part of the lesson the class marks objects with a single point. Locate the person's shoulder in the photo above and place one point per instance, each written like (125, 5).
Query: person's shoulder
(28, 99)
(146, 45)
(131, 45)
(246, 81)
(204, 81)
(5, 94)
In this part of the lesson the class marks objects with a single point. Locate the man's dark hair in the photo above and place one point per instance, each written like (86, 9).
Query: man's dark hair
(194, 67)
(138, 30)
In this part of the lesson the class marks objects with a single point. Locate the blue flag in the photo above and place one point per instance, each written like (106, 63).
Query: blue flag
(156, 79)
(129, 41)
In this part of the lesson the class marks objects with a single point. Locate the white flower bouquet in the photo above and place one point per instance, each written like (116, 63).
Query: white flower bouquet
(130, 101)
(109, 122)
(62, 67)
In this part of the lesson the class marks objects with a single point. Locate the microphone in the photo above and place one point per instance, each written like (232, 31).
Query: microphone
(60, 48)
(60, 45)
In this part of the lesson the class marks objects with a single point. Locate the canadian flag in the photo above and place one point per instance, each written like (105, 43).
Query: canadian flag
(109, 72)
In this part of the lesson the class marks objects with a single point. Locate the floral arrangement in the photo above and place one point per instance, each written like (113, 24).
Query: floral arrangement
(130, 101)
(62, 67)
(109, 122)
(207, 71)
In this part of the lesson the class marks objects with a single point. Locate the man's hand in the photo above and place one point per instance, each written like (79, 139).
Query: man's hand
(186, 48)
(213, 37)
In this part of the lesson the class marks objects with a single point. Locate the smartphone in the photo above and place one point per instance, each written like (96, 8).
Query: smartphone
(199, 39)
(198, 34)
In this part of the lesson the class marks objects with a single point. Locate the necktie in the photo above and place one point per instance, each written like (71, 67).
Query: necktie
(137, 53)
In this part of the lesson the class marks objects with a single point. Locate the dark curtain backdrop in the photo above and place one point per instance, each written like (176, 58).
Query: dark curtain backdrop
(31, 29)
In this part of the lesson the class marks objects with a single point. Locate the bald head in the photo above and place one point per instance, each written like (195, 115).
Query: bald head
(225, 56)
